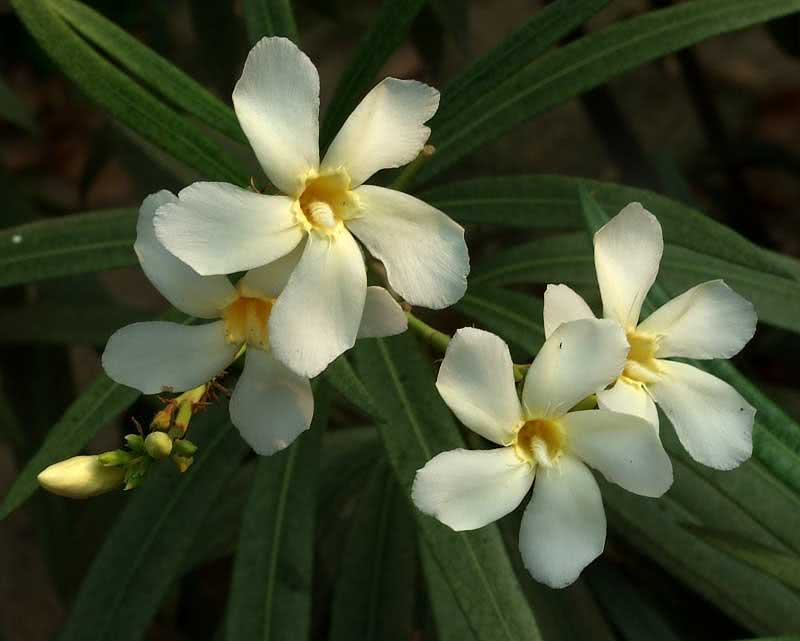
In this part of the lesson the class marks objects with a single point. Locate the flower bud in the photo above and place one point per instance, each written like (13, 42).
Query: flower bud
(80, 477)
(158, 445)
(184, 447)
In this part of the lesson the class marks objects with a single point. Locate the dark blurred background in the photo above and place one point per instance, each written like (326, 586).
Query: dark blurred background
(717, 126)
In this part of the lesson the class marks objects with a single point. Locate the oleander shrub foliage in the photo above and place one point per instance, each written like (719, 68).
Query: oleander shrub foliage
(384, 414)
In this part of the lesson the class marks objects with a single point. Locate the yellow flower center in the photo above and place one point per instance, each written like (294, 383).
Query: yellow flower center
(246, 321)
(326, 202)
(539, 441)
(642, 364)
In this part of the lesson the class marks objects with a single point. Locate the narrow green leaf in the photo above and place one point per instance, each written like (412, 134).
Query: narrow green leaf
(374, 594)
(451, 625)
(588, 63)
(125, 100)
(269, 18)
(156, 72)
(64, 323)
(99, 404)
(341, 376)
(516, 317)
(784, 567)
(271, 586)
(417, 426)
(545, 28)
(387, 32)
(144, 552)
(89, 242)
(13, 110)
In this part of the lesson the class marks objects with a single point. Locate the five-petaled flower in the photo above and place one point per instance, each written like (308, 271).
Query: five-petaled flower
(564, 525)
(712, 420)
(271, 405)
(218, 228)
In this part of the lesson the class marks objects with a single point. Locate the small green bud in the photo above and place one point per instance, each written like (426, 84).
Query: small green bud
(114, 458)
(80, 477)
(183, 447)
(158, 445)
(135, 442)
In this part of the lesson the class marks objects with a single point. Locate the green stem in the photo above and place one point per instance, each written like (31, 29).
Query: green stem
(439, 341)
(412, 168)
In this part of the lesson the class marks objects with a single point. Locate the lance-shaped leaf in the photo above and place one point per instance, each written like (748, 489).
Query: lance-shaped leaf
(417, 425)
(123, 97)
(271, 586)
(588, 63)
(269, 18)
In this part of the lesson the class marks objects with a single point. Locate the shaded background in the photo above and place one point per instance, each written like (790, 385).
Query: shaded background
(717, 126)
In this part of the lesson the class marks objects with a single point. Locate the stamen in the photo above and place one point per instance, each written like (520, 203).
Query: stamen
(539, 441)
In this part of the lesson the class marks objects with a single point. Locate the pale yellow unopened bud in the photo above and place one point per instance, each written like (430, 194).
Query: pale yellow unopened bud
(158, 445)
(80, 477)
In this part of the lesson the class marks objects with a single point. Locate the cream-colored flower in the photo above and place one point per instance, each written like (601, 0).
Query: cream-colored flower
(564, 525)
(218, 228)
(271, 405)
(713, 421)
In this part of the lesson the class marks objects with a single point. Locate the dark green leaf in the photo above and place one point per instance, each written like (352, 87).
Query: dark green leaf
(271, 586)
(145, 549)
(387, 32)
(417, 426)
(90, 242)
(13, 110)
(127, 101)
(156, 72)
(588, 63)
(269, 18)
(341, 376)
(374, 593)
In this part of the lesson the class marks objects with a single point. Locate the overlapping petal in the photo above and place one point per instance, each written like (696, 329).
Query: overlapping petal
(476, 380)
(382, 315)
(564, 526)
(712, 420)
(627, 253)
(160, 357)
(467, 489)
(385, 130)
(317, 316)
(271, 279)
(277, 103)
(624, 448)
(422, 249)
(217, 228)
(193, 294)
(580, 358)
(707, 321)
(561, 305)
(271, 405)
(629, 397)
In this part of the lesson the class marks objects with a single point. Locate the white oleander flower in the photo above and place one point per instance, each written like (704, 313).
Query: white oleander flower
(218, 228)
(564, 525)
(712, 420)
(271, 405)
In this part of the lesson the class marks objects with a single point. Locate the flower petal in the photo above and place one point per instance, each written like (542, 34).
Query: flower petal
(580, 358)
(193, 294)
(561, 305)
(160, 357)
(385, 130)
(270, 280)
(627, 252)
(476, 380)
(277, 103)
(713, 421)
(271, 406)
(467, 489)
(707, 321)
(217, 228)
(629, 397)
(564, 526)
(422, 249)
(624, 448)
(382, 316)
(316, 318)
